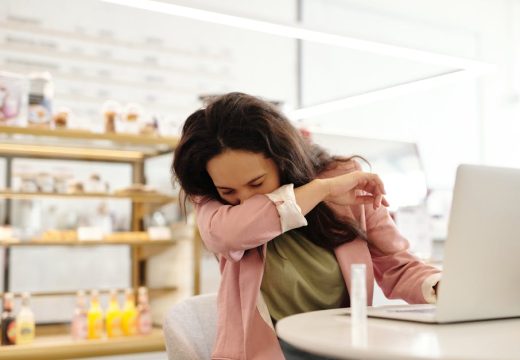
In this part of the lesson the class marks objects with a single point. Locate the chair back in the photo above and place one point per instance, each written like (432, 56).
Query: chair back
(190, 328)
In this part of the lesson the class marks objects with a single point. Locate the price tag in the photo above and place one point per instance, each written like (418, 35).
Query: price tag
(6, 233)
(159, 233)
(90, 233)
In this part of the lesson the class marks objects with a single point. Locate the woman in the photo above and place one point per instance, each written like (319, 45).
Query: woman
(286, 221)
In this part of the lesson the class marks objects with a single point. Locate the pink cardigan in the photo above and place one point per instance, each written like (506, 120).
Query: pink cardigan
(244, 327)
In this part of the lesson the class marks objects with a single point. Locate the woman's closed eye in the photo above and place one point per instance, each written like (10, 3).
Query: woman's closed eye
(231, 191)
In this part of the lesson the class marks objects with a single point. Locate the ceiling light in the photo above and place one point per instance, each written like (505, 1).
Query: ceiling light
(298, 32)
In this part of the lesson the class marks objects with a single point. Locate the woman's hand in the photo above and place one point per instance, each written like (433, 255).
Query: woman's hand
(355, 188)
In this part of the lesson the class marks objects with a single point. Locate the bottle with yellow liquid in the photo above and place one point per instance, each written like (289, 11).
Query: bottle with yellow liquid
(94, 317)
(129, 319)
(25, 322)
(113, 316)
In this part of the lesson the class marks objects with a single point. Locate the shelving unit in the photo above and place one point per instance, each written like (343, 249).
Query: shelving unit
(82, 145)
(88, 243)
(17, 142)
(166, 142)
(152, 198)
(153, 292)
(53, 342)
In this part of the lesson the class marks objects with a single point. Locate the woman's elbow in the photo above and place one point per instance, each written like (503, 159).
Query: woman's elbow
(216, 243)
(223, 247)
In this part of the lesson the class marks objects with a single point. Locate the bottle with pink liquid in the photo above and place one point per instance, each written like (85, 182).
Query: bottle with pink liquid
(144, 317)
(79, 319)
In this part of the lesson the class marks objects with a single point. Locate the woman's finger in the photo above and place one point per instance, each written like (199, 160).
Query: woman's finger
(377, 201)
(364, 199)
(371, 183)
(380, 183)
(385, 202)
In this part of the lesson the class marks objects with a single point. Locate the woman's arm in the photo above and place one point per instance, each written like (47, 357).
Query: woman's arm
(397, 271)
(230, 230)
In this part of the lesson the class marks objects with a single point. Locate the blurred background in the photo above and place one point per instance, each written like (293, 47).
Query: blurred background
(416, 88)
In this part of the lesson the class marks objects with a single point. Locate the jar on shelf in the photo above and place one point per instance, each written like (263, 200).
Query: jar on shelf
(41, 93)
(111, 115)
(13, 99)
(131, 119)
(61, 179)
(45, 182)
(75, 187)
(94, 184)
(28, 183)
(150, 126)
(61, 118)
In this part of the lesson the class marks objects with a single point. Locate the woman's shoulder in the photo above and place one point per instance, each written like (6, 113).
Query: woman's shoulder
(340, 166)
(199, 201)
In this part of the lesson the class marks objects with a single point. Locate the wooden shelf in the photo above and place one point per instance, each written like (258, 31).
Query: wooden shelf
(68, 153)
(88, 243)
(152, 292)
(136, 139)
(135, 197)
(81, 144)
(54, 342)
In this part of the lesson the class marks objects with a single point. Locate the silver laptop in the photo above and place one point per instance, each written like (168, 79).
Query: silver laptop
(481, 266)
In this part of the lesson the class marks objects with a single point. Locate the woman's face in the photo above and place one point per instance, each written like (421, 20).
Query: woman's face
(239, 174)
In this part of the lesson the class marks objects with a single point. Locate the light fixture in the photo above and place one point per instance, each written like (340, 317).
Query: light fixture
(298, 32)
(379, 94)
(461, 65)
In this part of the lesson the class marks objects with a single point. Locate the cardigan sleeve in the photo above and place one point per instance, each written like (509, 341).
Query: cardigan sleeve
(230, 230)
(399, 273)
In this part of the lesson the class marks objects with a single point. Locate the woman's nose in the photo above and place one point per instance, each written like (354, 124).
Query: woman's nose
(244, 195)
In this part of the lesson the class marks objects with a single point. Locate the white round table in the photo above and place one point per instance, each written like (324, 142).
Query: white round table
(328, 333)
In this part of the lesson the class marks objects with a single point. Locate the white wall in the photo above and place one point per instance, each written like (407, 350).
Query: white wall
(97, 51)
(471, 121)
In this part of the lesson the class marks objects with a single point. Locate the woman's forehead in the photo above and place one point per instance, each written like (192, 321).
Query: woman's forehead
(234, 168)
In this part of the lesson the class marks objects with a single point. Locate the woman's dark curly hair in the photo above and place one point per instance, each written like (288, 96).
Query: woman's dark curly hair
(238, 121)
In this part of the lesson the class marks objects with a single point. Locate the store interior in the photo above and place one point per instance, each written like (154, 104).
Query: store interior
(96, 244)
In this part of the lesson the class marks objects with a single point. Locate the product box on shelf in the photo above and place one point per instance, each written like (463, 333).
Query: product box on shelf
(14, 99)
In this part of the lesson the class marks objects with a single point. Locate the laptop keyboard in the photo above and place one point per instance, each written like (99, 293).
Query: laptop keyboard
(424, 311)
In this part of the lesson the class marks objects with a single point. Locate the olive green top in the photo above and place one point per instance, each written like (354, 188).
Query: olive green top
(300, 276)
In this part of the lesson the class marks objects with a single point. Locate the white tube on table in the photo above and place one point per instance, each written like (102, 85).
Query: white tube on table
(358, 296)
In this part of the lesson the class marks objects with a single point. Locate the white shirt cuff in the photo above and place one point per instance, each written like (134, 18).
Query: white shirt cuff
(291, 216)
(427, 288)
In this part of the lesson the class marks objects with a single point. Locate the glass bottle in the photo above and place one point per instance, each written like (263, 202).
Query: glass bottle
(94, 317)
(79, 319)
(144, 317)
(113, 316)
(25, 322)
(8, 321)
(129, 320)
